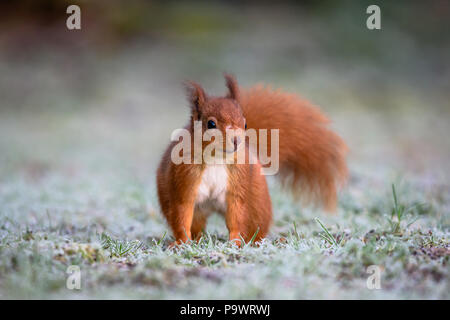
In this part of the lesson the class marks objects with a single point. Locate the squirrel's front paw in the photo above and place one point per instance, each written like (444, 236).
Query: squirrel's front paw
(236, 241)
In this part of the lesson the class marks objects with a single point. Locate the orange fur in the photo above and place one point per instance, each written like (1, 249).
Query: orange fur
(312, 162)
(312, 157)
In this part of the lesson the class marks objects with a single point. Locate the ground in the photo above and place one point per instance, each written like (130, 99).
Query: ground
(81, 135)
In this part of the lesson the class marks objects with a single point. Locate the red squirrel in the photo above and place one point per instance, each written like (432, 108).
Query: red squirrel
(311, 162)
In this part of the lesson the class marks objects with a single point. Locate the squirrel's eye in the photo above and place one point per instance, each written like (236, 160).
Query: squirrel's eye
(246, 126)
(211, 124)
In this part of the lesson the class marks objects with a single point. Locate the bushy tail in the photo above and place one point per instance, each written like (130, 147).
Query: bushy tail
(311, 156)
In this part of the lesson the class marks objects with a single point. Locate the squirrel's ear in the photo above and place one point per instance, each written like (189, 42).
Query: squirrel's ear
(233, 88)
(196, 96)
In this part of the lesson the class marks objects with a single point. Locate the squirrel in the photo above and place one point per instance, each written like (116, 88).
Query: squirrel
(312, 162)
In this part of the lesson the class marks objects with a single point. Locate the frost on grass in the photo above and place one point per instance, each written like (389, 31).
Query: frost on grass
(124, 253)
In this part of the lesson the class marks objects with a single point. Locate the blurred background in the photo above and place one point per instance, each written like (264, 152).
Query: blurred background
(85, 114)
(108, 96)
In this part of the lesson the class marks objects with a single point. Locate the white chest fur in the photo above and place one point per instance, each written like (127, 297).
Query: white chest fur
(212, 189)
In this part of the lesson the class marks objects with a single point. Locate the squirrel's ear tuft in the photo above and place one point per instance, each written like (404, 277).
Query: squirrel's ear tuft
(196, 96)
(233, 88)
